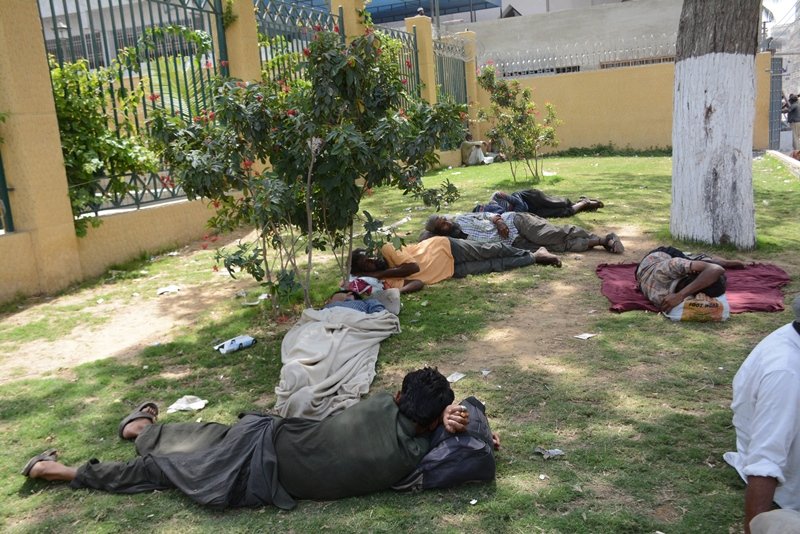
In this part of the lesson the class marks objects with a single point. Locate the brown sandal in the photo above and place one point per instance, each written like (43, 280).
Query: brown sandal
(50, 455)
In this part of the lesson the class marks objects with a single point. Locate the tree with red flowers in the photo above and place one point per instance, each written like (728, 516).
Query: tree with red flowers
(347, 126)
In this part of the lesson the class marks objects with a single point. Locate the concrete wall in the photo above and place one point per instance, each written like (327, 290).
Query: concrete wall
(605, 23)
(43, 254)
(629, 107)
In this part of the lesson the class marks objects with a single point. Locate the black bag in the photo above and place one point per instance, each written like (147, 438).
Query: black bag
(456, 458)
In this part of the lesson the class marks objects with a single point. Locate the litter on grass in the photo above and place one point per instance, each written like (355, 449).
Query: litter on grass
(187, 403)
(455, 377)
(167, 289)
(548, 453)
(234, 344)
(584, 336)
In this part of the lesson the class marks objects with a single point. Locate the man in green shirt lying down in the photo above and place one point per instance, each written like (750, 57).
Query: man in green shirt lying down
(264, 459)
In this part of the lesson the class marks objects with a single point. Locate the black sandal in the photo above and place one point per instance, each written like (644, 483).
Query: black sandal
(138, 413)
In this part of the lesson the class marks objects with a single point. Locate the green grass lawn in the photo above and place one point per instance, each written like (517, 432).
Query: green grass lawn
(641, 411)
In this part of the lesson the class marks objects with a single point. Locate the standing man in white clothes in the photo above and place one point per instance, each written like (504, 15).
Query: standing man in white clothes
(766, 415)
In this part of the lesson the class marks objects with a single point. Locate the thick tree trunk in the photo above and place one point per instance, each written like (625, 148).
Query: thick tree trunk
(712, 132)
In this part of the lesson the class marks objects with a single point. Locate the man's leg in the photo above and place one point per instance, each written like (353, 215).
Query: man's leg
(795, 135)
(139, 475)
(565, 238)
(472, 257)
(545, 205)
(180, 438)
(541, 233)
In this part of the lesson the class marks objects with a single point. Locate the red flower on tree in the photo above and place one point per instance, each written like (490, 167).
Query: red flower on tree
(292, 112)
(306, 52)
(223, 63)
(153, 97)
(336, 29)
(409, 64)
(317, 28)
(247, 164)
(209, 64)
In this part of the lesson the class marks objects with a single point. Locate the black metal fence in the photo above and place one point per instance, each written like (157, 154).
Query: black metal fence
(6, 221)
(408, 57)
(450, 69)
(284, 30)
(164, 51)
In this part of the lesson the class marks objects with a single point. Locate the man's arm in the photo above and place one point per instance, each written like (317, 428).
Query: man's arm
(727, 264)
(401, 271)
(411, 286)
(501, 226)
(758, 498)
(709, 273)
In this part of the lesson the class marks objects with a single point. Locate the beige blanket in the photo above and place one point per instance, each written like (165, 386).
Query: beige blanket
(329, 360)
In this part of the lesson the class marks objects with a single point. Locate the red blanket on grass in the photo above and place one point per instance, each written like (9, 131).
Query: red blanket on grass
(757, 287)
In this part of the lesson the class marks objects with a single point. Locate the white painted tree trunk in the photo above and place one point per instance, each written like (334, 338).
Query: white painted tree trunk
(712, 140)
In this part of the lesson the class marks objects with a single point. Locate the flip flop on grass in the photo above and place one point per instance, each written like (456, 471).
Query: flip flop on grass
(50, 455)
(139, 413)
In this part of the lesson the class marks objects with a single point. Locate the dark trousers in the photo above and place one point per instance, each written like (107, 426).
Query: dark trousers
(142, 473)
(473, 257)
(545, 205)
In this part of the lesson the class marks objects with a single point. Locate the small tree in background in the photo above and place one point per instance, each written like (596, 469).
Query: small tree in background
(345, 128)
(515, 128)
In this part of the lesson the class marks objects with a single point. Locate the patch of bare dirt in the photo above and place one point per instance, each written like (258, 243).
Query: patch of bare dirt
(131, 325)
(539, 330)
(542, 326)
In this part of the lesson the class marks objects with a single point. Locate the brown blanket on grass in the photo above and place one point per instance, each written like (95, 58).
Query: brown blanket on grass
(757, 287)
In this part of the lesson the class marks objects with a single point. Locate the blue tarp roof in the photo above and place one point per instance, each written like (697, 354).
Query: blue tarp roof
(383, 11)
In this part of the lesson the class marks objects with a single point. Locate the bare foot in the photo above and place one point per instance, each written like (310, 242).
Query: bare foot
(544, 257)
(40, 468)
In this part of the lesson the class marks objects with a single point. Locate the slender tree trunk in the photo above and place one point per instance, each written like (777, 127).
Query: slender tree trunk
(712, 132)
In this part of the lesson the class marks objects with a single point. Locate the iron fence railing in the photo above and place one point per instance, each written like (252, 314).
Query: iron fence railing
(284, 29)
(408, 56)
(170, 70)
(450, 68)
(625, 52)
(6, 221)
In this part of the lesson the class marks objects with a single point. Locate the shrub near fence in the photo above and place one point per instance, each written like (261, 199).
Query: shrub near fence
(160, 55)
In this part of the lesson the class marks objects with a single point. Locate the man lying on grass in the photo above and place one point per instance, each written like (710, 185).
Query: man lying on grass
(440, 258)
(668, 277)
(520, 230)
(268, 460)
(537, 202)
(766, 415)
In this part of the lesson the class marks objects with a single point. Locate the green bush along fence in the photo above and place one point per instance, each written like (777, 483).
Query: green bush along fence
(408, 57)
(159, 50)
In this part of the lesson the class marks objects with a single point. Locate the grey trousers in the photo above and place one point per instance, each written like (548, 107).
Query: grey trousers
(473, 257)
(142, 473)
(535, 232)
